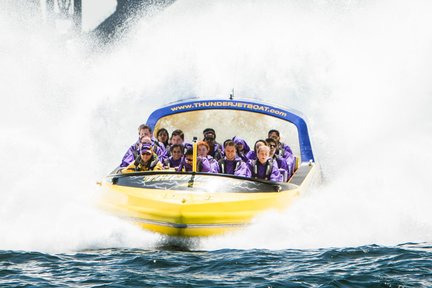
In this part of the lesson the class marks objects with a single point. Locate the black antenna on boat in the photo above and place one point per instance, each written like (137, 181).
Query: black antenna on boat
(232, 94)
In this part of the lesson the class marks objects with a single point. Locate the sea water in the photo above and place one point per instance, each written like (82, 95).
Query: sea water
(360, 72)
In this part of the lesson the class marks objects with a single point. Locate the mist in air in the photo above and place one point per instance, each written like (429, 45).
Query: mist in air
(359, 70)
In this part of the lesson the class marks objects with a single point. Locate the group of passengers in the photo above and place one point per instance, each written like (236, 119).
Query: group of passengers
(270, 159)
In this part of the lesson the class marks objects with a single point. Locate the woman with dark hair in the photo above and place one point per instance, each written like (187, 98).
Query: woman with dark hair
(162, 136)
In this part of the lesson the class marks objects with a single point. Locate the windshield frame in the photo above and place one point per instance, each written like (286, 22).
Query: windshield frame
(288, 115)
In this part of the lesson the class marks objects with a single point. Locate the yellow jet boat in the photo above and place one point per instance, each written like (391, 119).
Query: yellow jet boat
(194, 204)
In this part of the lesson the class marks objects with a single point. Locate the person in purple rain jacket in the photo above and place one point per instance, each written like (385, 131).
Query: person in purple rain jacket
(186, 163)
(215, 148)
(283, 150)
(282, 163)
(177, 137)
(157, 149)
(252, 155)
(205, 162)
(133, 152)
(242, 148)
(146, 131)
(265, 167)
(162, 137)
(146, 161)
(231, 163)
(176, 158)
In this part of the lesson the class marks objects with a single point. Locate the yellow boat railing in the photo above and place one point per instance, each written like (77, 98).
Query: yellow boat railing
(194, 155)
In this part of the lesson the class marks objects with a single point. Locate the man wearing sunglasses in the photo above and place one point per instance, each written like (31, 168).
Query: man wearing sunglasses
(282, 163)
(283, 150)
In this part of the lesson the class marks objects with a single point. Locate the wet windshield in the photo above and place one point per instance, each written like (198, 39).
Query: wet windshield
(229, 123)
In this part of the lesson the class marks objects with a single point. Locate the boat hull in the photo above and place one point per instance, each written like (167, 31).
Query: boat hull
(200, 209)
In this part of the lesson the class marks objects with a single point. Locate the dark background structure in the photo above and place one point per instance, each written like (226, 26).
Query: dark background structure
(116, 25)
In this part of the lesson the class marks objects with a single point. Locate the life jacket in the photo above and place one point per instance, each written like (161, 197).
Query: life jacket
(222, 165)
(268, 169)
(149, 166)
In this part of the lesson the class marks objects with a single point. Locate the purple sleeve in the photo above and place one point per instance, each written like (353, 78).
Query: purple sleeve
(129, 156)
(282, 163)
(288, 151)
(204, 164)
(251, 155)
(162, 155)
(276, 175)
(184, 167)
(214, 166)
(290, 161)
(208, 165)
(243, 170)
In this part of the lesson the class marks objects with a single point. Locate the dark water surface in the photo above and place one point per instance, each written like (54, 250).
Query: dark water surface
(407, 265)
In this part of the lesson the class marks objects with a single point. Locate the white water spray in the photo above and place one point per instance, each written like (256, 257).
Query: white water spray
(358, 71)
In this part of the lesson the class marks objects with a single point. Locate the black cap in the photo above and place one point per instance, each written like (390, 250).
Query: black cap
(274, 131)
(209, 130)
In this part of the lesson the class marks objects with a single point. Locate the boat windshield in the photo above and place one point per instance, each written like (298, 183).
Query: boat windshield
(248, 125)
(208, 183)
